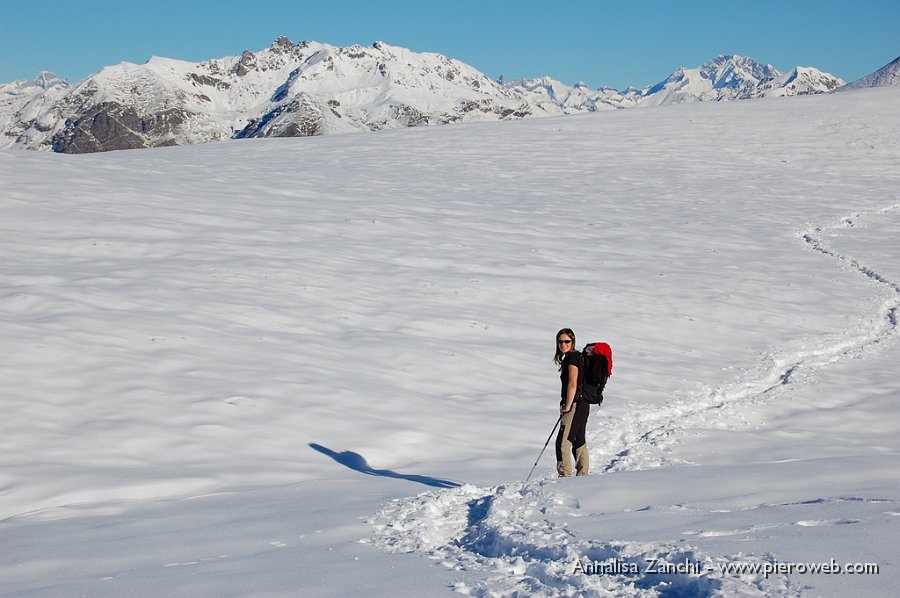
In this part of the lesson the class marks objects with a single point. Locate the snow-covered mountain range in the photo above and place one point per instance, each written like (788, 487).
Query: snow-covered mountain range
(311, 88)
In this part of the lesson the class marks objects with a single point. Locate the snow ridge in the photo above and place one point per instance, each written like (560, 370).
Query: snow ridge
(886, 76)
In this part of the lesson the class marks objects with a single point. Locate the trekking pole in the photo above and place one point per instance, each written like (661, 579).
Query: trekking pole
(559, 419)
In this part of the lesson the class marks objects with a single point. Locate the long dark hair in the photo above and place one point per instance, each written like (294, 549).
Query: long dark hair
(558, 356)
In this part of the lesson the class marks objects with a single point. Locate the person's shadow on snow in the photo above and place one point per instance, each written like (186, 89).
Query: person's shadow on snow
(357, 462)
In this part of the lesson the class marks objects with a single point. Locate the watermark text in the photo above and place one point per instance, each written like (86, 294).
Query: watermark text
(657, 566)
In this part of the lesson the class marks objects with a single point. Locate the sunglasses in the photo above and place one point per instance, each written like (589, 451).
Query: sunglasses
(564, 341)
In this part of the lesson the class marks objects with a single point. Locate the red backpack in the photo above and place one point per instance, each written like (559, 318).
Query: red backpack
(598, 366)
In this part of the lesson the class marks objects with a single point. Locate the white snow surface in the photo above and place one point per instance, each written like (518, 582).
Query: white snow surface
(322, 366)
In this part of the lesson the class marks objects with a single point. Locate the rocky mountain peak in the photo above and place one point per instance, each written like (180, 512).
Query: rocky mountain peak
(46, 80)
(283, 43)
(734, 71)
(245, 64)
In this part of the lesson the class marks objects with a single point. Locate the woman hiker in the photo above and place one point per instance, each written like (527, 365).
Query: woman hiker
(573, 411)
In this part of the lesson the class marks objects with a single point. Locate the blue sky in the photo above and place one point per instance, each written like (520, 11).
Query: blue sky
(603, 43)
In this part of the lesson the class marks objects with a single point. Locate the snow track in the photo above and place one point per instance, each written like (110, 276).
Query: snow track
(516, 534)
(645, 439)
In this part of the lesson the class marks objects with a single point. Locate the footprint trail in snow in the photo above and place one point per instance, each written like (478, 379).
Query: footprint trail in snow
(516, 534)
(645, 438)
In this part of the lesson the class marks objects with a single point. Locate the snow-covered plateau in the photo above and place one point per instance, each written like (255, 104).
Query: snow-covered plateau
(322, 366)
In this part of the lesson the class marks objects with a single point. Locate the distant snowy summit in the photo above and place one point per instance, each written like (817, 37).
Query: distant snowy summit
(886, 76)
(311, 88)
(737, 78)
